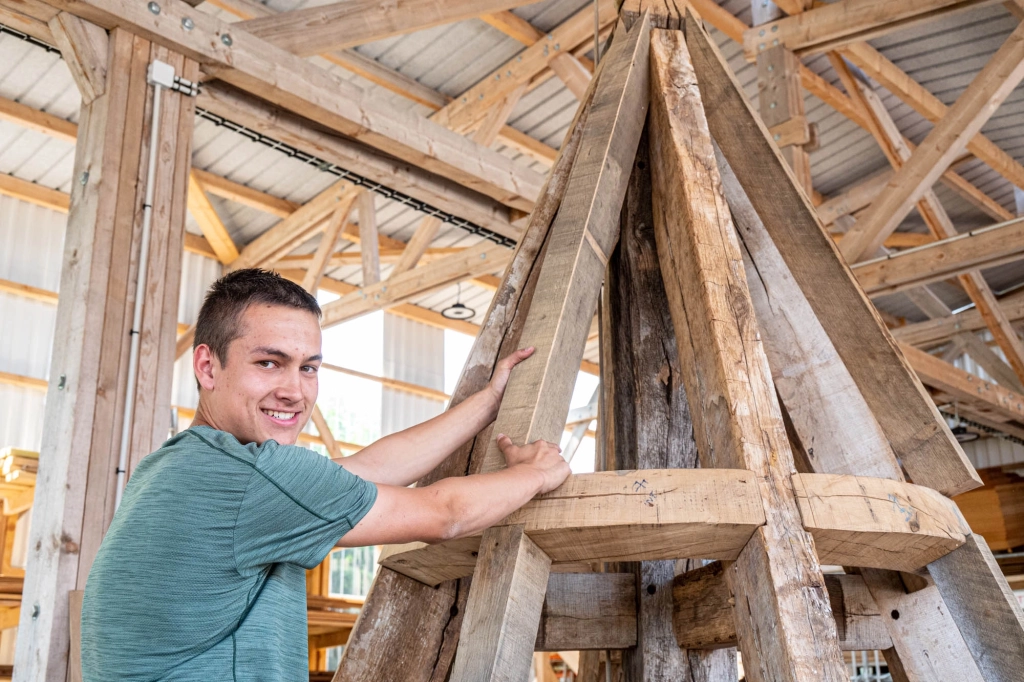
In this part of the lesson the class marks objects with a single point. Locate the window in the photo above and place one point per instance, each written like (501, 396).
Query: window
(352, 571)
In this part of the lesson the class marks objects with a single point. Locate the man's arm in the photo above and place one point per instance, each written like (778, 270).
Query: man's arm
(462, 506)
(404, 457)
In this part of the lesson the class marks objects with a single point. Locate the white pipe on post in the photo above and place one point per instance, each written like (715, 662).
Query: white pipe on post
(156, 76)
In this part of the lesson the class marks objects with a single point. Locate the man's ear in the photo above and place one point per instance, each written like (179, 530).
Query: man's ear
(204, 364)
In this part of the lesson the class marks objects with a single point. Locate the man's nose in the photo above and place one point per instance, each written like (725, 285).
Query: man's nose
(290, 388)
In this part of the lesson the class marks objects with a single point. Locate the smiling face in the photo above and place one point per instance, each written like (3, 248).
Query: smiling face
(266, 387)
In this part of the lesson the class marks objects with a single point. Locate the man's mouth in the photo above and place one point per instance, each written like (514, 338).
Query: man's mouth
(279, 415)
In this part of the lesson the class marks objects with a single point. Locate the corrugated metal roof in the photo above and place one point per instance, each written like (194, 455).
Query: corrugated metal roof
(943, 55)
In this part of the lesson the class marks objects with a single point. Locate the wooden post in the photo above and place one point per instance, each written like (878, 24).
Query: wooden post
(653, 426)
(783, 617)
(408, 631)
(84, 406)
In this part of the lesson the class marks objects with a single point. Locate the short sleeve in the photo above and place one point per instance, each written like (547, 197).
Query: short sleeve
(296, 507)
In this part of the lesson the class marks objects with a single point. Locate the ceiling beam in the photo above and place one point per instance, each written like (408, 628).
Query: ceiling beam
(33, 193)
(311, 30)
(209, 222)
(830, 26)
(299, 86)
(941, 260)
(466, 110)
(944, 143)
(895, 80)
(934, 332)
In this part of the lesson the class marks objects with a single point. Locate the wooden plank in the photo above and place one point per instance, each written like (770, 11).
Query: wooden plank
(247, 196)
(368, 246)
(299, 86)
(583, 235)
(877, 522)
(944, 143)
(737, 421)
(828, 27)
(968, 387)
(898, 82)
(940, 260)
(893, 393)
(405, 623)
(987, 612)
(483, 258)
(28, 291)
(998, 324)
(586, 611)
(466, 110)
(648, 514)
(209, 222)
(84, 48)
(780, 100)
(40, 121)
(26, 23)
(503, 612)
(269, 120)
(703, 612)
(417, 246)
(294, 230)
(934, 332)
(33, 193)
(513, 26)
(315, 270)
(311, 30)
(572, 73)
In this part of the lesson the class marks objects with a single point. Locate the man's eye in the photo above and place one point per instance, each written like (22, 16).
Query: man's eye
(266, 364)
(310, 369)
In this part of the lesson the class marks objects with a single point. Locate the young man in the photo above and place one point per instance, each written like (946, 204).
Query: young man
(201, 575)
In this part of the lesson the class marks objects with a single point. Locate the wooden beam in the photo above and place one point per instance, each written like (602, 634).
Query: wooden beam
(321, 258)
(965, 386)
(781, 102)
(28, 291)
(84, 48)
(368, 247)
(588, 611)
(247, 196)
(898, 82)
(504, 608)
(586, 229)
(876, 522)
(703, 615)
(626, 515)
(513, 26)
(299, 86)
(311, 30)
(737, 422)
(572, 73)
(467, 109)
(827, 27)
(396, 82)
(895, 396)
(944, 143)
(934, 332)
(333, 450)
(33, 193)
(485, 257)
(40, 121)
(209, 222)
(427, 187)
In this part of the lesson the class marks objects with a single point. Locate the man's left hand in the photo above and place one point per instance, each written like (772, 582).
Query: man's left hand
(503, 370)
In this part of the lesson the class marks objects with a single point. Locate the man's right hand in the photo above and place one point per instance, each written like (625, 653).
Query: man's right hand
(541, 455)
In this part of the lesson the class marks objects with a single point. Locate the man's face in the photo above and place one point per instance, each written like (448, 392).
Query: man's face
(267, 387)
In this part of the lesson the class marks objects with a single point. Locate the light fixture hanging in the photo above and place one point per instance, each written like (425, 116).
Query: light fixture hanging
(458, 311)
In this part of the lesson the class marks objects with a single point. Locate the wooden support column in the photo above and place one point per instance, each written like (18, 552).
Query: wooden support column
(653, 426)
(84, 407)
(781, 103)
(783, 617)
(834, 426)
(408, 632)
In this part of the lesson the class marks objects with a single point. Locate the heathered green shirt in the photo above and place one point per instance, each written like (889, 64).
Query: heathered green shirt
(201, 576)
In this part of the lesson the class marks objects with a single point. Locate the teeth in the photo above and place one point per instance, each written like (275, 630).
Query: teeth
(280, 415)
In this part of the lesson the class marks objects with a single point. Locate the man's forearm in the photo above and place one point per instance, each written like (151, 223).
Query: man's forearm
(404, 457)
(480, 501)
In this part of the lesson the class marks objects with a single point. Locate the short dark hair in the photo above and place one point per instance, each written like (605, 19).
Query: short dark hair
(220, 317)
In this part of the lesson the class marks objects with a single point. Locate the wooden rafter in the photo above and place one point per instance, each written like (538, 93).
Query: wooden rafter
(209, 222)
(312, 30)
(943, 144)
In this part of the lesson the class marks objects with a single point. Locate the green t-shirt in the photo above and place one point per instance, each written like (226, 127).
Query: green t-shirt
(201, 576)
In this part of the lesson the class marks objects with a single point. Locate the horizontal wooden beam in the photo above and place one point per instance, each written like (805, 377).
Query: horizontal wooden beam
(300, 86)
(588, 611)
(975, 250)
(711, 514)
(939, 330)
(33, 193)
(483, 258)
(404, 386)
(703, 618)
(616, 515)
(877, 522)
(964, 386)
(28, 291)
(829, 26)
(311, 30)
